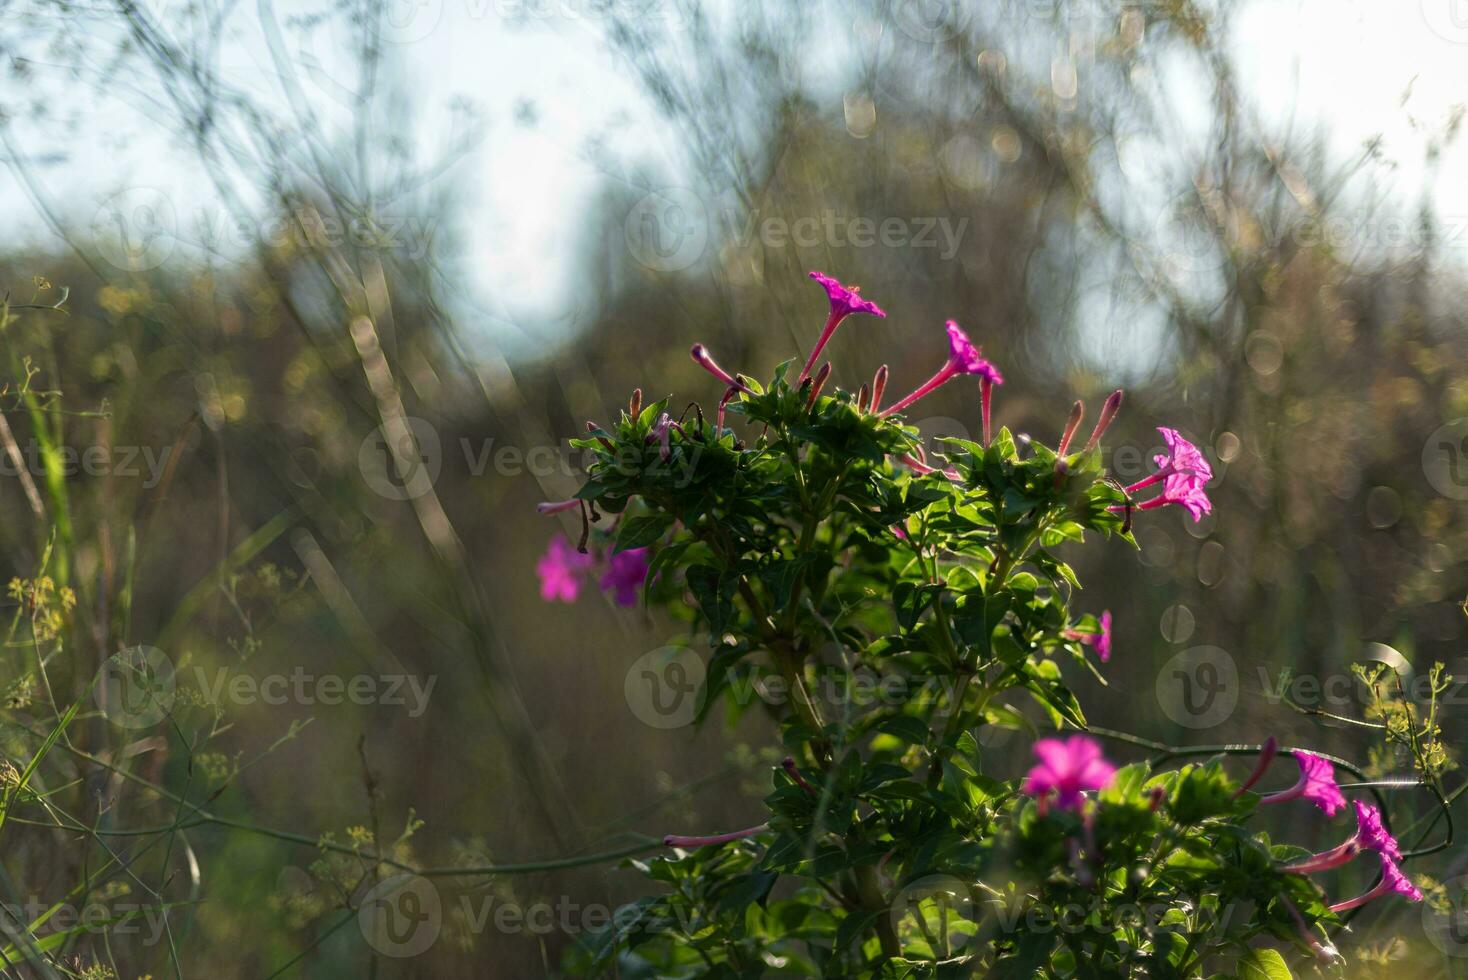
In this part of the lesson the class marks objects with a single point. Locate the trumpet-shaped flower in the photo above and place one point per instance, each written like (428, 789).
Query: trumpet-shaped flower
(561, 569)
(1371, 835)
(1316, 784)
(1393, 882)
(626, 571)
(964, 357)
(845, 300)
(1068, 768)
(1184, 474)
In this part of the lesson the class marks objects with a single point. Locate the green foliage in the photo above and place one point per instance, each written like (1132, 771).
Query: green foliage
(894, 846)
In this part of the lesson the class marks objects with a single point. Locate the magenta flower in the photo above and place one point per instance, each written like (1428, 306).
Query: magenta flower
(1316, 784)
(1101, 641)
(1371, 834)
(964, 357)
(1184, 474)
(560, 570)
(1392, 882)
(626, 571)
(1068, 768)
(845, 300)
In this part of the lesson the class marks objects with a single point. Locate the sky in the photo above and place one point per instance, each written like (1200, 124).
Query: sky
(544, 84)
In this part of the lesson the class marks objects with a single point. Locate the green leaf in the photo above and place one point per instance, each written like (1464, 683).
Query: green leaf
(1263, 964)
(639, 532)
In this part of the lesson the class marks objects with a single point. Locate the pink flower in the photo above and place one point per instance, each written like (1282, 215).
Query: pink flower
(1184, 474)
(964, 357)
(560, 570)
(1101, 641)
(1068, 768)
(845, 300)
(1392, 882)
(1371, 834)
(1316, 784)
(626, 571)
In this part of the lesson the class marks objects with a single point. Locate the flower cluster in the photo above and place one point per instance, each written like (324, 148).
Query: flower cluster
(563, 569)
(820, 537)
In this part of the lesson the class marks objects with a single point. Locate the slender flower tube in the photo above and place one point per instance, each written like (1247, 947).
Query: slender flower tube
(703, 359)
(964, 357)
(794, 773)
(605, 442)
(845, 300)
(634, 404)
(1108, 412)
(674, 840)
(1267, 752)
(917, 466)
(817, 384)
(1371, 834)
(1393, 882)
(1316, 784)
(1072, 422)
(879, 387)
(729, 394)
(986, 404)
(1325, 954)
(556, 506)
(862, 396)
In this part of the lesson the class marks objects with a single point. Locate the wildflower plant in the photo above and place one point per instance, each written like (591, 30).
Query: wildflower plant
(805, 533)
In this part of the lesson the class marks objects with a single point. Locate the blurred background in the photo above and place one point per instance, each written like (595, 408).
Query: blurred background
(260, 256)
